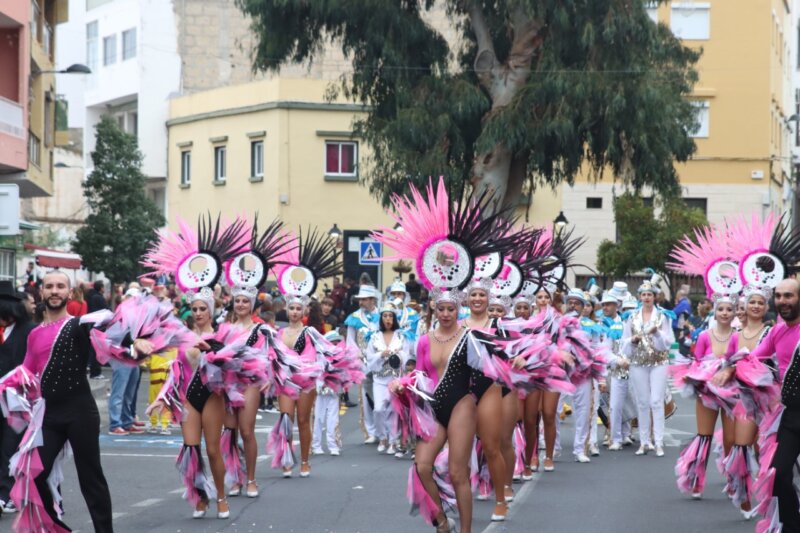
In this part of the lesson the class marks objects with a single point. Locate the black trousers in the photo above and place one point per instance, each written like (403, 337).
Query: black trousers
(9, 441)
(75, 419)
(783, 462)
(94, 367)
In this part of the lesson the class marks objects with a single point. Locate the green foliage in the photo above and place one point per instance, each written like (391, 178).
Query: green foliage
(122, 219)
(644, 239)
(605, 89)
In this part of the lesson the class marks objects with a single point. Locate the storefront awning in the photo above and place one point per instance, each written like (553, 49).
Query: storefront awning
(49, 258)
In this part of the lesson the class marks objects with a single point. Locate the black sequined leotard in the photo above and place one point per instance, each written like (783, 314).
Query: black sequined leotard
(197, 394)
(456, 381)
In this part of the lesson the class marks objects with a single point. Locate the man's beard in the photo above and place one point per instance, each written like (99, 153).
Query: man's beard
(789, 313)
(50, 307)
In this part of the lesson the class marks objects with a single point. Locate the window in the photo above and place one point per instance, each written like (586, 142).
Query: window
(697, 203)
(129, 44)
(186, 167)
(110, 50)
(594, 203)
(691, 21)
(257, 159)
(701, 130)
(219, 164)
(652, 11)
(340, 158)
(91, 45)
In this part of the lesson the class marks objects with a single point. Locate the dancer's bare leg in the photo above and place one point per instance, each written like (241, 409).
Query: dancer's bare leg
(549, 407)
(490, 430)
(213, 415)
(304, 406)
(426, 453)
(247, 427)
(460, 437)
(510, 417)
(530, 420)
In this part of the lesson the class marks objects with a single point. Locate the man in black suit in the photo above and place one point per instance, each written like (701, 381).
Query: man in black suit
(15, 325)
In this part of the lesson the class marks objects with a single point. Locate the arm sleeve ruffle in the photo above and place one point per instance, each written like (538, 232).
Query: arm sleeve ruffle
(340, 364)
(410, 413)
(142, 317)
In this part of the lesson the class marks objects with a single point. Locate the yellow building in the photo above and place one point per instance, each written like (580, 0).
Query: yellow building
(277, 148)
(743, 159)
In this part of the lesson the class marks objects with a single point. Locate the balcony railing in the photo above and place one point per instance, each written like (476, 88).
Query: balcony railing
(34, 149)
(35, 16)
(11, 118)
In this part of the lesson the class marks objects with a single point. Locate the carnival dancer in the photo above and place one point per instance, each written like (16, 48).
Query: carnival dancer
(768, 252)
(361, 325)
(623, 407)
(445, 240)
(225, 367)
(646, 340)
(200, 412)
(740, 462)
(313, 259)
(710, 255)
(53, 374)
(387, 354)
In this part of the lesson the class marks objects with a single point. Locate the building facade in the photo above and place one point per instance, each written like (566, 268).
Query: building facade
(744, 98)
(131, 48)
(276, 148)
(28, 98)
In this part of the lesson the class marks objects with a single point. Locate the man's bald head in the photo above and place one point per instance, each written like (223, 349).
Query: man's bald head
(787, 301)
(57, 273)
(789, 284)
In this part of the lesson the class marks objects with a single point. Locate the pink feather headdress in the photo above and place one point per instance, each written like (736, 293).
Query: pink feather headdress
(444, 238)
(708, 254)
(195, 257)
(768, 250)
(312, 257)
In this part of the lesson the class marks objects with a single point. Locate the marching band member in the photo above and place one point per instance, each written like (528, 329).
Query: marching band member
(361, 325)
(646, 340)
(623, 407)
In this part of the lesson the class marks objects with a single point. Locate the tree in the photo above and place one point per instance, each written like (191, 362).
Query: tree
(644, 240)
(121, 220)
(527, 93)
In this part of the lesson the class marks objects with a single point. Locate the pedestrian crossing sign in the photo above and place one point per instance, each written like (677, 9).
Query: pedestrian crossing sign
(370, 253)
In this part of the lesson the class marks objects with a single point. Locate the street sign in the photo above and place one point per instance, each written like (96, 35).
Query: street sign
(9, 209)
(369, 253)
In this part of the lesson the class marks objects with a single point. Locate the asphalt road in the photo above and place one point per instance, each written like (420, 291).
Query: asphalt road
(362, 491)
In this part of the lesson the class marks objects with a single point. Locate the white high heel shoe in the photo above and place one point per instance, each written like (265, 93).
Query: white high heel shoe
(223, 514)
(252, 493)
(198, 513)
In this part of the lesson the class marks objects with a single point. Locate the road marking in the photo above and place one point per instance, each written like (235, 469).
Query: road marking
(115, 516)
(527, 487)
(148, 502)
(177, 491)
(106, 454)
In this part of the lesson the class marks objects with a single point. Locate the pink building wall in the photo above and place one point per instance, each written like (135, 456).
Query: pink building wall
(13, 149)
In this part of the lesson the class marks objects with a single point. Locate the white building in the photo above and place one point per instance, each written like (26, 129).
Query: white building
(131, 48)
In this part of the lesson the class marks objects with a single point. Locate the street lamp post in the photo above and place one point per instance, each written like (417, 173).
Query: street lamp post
(560, 222)
(334, 233)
